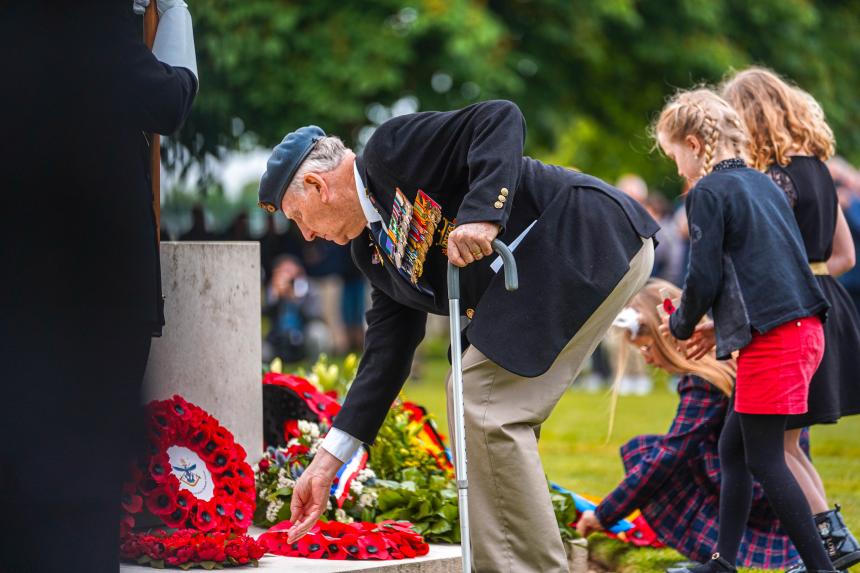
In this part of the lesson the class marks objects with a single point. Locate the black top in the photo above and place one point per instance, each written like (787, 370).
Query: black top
(78, 235)
(425, 171)
(747, 260)
(810, 190)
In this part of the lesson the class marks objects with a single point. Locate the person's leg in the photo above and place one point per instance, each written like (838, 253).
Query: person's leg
(736, 489)
(514, 526)
(765, 448)
(804, 472)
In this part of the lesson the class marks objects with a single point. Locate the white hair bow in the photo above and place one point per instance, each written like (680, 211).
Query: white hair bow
(628, 319)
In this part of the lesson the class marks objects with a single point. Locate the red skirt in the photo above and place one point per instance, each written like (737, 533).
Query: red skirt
(774, 369)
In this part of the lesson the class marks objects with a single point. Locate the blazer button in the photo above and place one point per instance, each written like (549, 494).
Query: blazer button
(498, 205)
(502, 198)
(470, 312)
(504, 192)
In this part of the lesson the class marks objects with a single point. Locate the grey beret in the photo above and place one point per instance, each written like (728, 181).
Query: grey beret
(285, 160)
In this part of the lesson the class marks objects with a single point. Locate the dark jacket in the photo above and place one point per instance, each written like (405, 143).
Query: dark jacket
(469, 167)
(747, 260)
(78, 235)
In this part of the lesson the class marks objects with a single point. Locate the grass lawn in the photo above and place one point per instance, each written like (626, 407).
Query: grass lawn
(576, 455)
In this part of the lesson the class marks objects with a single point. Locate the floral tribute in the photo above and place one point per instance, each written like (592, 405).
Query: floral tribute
(348, 541)
(186, 548)
(195, 480)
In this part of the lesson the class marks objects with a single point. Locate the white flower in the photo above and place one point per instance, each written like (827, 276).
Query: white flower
(314, 431)
(356, 487)
(341, 516)
(305, 427)
(273, 509)
(328, 505)
(366, 500)
(365, 475)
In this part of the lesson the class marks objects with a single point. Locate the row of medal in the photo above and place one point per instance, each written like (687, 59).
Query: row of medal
(410, 233)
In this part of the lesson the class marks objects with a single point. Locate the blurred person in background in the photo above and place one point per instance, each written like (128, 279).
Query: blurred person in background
(295, 314)
(81, 291)
(847, 181)
(198, 230)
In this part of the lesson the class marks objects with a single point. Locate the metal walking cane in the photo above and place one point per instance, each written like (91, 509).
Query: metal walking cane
(457, 373)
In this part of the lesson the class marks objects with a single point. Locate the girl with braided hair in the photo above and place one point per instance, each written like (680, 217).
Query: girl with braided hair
(790, 140)
(748, 267)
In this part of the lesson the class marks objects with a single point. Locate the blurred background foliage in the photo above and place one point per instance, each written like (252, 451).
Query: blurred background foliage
(589, 75)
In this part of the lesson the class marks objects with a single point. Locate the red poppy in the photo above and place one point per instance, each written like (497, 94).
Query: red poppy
(161, 501)
(264, 465)
(178, 517)
(205, 518)
(159, 467)
(126, 523)
(291, 429)
(131, 502)
(312, 546)
(181, 409)
(668, 306)
(210, 550)
(372, 546)
(242, 515)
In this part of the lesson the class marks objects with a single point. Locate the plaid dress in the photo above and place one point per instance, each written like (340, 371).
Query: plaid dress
(674, 479)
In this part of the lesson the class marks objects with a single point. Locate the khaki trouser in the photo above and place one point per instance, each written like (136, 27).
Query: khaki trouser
(513, 527)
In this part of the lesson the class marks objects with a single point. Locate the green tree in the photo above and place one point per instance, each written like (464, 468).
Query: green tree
(589, 75)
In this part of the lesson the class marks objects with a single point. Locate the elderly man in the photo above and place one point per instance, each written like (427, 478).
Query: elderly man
(438, 186)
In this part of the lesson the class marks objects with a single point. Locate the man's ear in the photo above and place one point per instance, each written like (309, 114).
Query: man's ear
(314, 183)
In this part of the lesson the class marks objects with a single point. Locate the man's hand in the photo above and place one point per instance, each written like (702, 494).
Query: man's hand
(588, 524)
(310, 496)
(702, 341)
(471, 242)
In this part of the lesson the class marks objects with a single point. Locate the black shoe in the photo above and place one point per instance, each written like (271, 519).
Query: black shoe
(716, 565)
(841, 546)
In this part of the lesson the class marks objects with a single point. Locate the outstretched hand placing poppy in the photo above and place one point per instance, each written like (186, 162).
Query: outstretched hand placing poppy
(310, 496)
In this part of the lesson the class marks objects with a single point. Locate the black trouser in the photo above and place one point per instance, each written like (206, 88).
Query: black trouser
(70, 422)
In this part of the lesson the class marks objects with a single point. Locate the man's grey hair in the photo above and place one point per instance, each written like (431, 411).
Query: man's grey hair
(325, 156)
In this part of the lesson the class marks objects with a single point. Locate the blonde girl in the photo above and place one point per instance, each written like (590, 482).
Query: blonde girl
(749, 269)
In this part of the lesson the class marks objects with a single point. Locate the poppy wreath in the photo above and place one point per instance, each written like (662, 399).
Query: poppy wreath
(194, 476)
(187, 548)
(348, 541)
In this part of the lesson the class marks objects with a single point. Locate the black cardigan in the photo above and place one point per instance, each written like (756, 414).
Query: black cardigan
(747, 260)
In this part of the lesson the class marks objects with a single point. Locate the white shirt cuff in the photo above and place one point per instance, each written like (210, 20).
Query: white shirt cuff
(340, 444)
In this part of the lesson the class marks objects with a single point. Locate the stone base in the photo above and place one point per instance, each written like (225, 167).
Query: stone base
(577, 555)
(210, 350)
(441, 559)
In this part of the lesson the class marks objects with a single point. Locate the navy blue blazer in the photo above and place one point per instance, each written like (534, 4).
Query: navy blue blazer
(428, 171)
